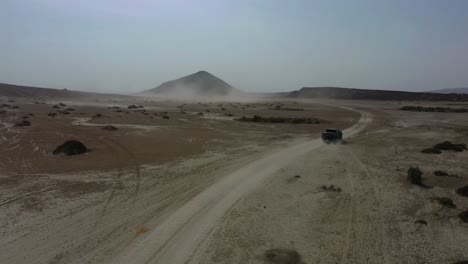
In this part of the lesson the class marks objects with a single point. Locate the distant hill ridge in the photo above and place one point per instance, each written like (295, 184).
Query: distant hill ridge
(451, 90)
(19, 91)
(364, 94)
(201, 83)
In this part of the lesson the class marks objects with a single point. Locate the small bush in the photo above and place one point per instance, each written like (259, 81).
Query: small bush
(415, 175)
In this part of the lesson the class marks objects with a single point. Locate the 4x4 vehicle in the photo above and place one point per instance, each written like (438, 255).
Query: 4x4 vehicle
(332, 135)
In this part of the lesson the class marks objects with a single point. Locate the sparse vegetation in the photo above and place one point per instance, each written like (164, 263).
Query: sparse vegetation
(286, 120)
(445, 201)
(434, 109)
(447, 145)
(23, 123)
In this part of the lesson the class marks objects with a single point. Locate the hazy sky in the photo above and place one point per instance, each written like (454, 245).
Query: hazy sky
(269, 45)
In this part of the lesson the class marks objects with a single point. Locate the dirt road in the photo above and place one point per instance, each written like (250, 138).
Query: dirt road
(177, 238)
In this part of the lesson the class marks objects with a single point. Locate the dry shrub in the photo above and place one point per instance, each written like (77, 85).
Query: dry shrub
(415, 175)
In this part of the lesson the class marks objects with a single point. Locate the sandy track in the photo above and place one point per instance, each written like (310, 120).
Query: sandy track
(177, 238)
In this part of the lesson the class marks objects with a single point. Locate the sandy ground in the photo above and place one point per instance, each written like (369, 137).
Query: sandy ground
(208, 189)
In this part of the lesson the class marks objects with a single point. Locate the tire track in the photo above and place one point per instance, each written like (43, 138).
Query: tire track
(175, 240)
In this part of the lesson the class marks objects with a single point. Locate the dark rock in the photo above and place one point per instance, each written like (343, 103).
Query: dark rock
(282, 256)
(463, 216)
(440, 173)
(420, 221)
(431, 151)
(55, 106)
(71, 148)
(132, 107)
(463, 191)
(52, 114)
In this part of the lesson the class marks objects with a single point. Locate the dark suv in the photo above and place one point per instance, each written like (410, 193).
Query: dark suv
(332, 135)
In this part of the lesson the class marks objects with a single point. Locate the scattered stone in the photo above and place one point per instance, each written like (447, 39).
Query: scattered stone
(52, 114)
(140, 106)
(97, 116)
(165, 117)
(71, 148)
(297, 176)
(132, 107)
(282, 256)
(200, 113)
(463, 191)
(55, 106)
(110, 128)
